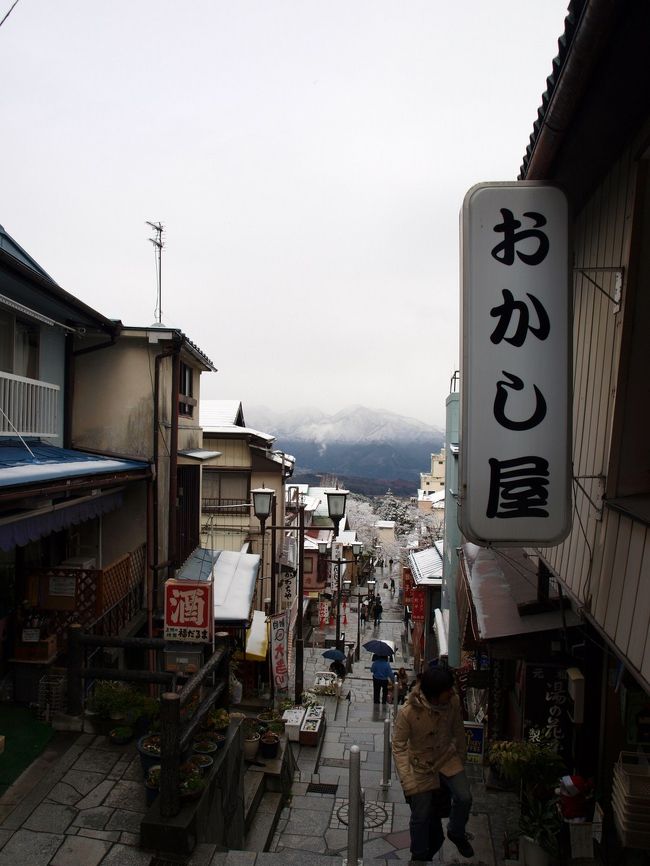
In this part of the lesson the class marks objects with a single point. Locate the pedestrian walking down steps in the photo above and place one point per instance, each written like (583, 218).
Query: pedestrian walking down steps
(378, 610)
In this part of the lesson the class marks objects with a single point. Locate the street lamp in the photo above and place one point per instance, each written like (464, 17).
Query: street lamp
(262, 506)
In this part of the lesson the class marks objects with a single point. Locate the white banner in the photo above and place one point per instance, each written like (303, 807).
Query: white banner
(516, 365)
(337, 555)
(280, 650)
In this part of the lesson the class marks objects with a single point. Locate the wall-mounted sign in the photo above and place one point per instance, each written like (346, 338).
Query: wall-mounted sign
(63, 585)
(280, 650)
(515, 365)
(189, 615)
(475, 737)
(418, 605)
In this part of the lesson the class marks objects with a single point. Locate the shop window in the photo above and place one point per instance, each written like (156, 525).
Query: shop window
(186, 401)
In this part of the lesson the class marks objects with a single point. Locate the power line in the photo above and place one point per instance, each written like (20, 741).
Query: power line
(13, 5)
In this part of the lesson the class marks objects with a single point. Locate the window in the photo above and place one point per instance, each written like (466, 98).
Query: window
(186, 401)
(19, 346)
(225, 492)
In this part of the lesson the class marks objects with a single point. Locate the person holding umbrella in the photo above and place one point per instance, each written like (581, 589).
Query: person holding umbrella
(382, 673)
(338, 658)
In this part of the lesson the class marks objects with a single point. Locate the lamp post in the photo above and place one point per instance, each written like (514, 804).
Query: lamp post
(262, 505)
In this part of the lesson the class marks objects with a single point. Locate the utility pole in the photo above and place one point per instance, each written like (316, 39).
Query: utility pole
(159, 244)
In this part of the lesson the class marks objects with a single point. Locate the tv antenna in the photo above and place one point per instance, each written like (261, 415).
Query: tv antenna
(158, 243)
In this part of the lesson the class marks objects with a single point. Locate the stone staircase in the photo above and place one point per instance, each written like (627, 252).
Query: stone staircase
(267, 785)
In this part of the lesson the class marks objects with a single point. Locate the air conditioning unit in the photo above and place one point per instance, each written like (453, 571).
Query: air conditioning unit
(79, 562)
(576, 690)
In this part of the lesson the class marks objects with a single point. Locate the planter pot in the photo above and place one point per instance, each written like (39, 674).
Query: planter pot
(251, 745)
(119, 739)
(204, 747)
(534, 854)
(151, 792)
(203, 762)
(149, 756)
(269, 745)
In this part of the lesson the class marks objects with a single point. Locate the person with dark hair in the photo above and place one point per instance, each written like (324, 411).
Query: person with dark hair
(381, 672)
(429, 748)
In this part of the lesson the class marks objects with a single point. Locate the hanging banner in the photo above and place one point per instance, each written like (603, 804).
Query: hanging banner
(189, 615)
(280, 650)
(418, 605)
(323, 612)
(337, 555)
(407, 585)
(515, 365)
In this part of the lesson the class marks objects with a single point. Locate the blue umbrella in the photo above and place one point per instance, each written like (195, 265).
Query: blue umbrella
(380, 647)
(334, 654)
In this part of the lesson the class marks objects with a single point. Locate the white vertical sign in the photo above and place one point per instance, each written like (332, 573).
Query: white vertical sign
(516, 365)
(337, 556)
(280, 650)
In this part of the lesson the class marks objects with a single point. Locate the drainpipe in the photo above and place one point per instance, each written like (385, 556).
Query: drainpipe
(172, 552)
(156, 455)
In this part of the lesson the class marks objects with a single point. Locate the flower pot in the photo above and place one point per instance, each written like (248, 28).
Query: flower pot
(251, 745)
(121, 735)
(149, 750)
(534, 854)
(269, 745)
(204, 747)
(203, 762)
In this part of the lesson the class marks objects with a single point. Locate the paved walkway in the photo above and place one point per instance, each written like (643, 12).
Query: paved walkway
(82, 805)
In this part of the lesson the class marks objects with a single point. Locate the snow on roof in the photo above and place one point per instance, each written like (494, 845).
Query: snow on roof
(348, 536)
(426, 565)
(220, 413)
(385, 524)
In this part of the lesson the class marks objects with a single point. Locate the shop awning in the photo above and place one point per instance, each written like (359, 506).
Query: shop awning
(42, 463)
(16, 531)
(234, 575)
(257, 639)
(426, 565)
(500, 580)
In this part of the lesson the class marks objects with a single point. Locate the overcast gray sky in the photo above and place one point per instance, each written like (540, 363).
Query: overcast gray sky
(307, 159)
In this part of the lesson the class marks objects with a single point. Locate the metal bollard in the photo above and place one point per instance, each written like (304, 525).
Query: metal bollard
(395, 695)
(355, 809)
(385, 782)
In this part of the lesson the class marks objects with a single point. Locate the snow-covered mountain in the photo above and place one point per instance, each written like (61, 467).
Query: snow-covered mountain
(355, 444)
(354, 424)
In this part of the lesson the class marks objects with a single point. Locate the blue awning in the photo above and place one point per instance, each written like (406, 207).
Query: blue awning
(48, 463)
(16, 532)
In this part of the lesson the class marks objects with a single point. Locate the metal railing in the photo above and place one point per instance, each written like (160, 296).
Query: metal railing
(218, 505)
(28, 407)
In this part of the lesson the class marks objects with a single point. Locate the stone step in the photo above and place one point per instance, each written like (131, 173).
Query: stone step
(254, 787)
(260, 835)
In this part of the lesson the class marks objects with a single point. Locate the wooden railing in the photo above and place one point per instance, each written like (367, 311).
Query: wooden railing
(105, 598)
(29, 407)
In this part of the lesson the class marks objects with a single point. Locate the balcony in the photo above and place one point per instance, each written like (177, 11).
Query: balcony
(103, 600)
(28, 407)
(224, 506)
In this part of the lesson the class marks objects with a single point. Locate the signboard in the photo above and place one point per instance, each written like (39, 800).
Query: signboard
(280, 650)
(475, 737)
(546, 704)
(418, 605)
(189, 616)
(516, 365)
(337, 555)
(63, 585)
(323, 612)
(407, 585)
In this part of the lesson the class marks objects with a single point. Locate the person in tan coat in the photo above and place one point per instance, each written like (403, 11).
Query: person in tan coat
(429, 748)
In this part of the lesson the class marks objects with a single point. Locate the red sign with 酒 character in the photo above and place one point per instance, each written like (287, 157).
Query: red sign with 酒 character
(188, 611)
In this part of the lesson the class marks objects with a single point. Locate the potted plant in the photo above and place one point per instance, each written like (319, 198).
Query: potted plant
(192, 786)
(204, 763)
(531, 766)
(269, 745)
(540, 823)
(251, 734)
(152, 783)
(204, 746)
(149, 748)
(120, 735)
